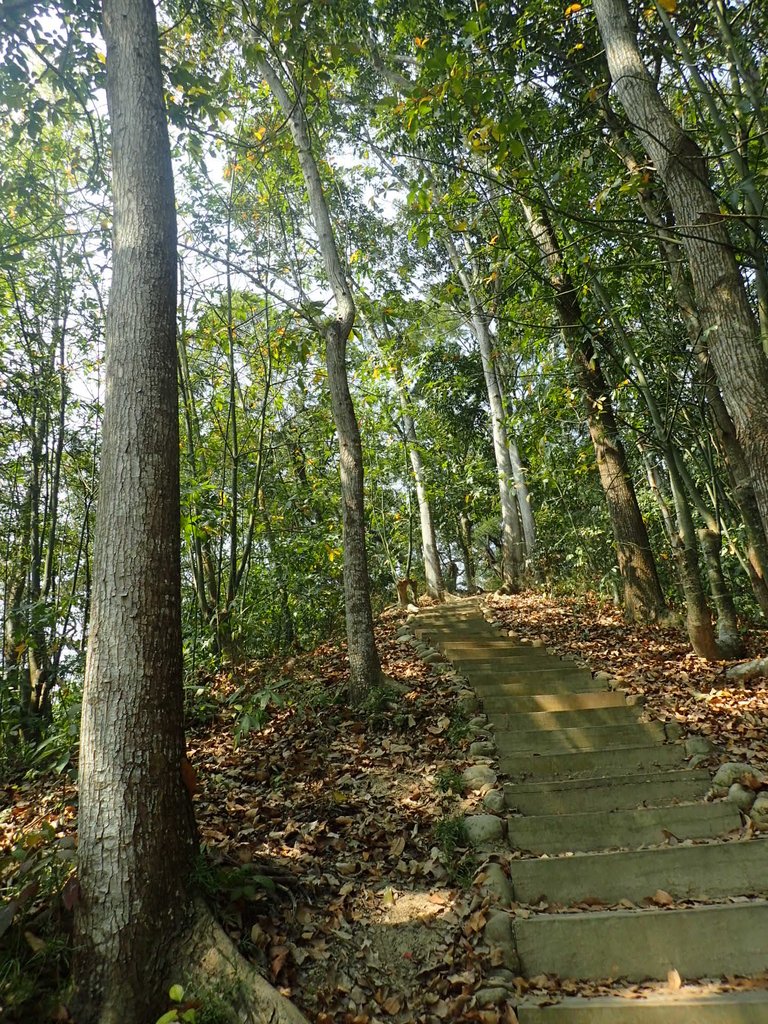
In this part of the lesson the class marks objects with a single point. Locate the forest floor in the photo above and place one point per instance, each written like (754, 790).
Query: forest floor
(333, 849)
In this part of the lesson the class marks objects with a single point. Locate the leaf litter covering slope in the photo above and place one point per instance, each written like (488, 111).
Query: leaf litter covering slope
(319, 836)
(367, 922)
(655, 662)
(323, 822)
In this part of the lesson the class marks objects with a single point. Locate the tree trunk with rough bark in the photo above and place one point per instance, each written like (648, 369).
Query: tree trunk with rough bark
(643, 598)
(432, 570)
(728, 636)
(136, 835)
(682, 540)
(467, 557)
(511, 534)
(364, 666)
(729, 325)
(138, 927)
(656, 210)
(523, 503)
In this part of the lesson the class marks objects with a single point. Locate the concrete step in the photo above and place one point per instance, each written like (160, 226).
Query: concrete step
(628, 829)
(519, 665)
(528, 686)
(699, 942)
(702, 872)
(464, 628)
(563, 700)
(601, 737)
(551, 721)
(492, 650)
(683, 1007)
(591, 763)
(619, 792)
(550, 668)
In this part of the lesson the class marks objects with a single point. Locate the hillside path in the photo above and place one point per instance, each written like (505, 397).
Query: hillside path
(624, 873)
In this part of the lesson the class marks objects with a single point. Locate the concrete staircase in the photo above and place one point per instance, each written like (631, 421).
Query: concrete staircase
(601, 805)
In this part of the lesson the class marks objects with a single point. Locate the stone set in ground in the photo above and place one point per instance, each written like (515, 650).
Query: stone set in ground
(604, 812)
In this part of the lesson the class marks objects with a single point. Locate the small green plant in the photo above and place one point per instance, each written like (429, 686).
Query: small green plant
(378, 700)
(451, 835)
(253, 711)
(210, 1006)
(182, 1011)
(459, 727)
(34, 947)
(448, 780)
(201, 706)
(452, 840)
(228, 886)
(463, 872)
(379, 704)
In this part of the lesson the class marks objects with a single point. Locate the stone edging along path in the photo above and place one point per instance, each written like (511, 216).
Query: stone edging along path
(600, 811)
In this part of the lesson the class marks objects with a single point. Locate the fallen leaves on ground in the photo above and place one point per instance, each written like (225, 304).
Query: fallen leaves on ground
(339, 808)
(654, 662)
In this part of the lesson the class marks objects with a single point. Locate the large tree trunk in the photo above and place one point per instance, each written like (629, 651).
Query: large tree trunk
(657, 213)
(643, 598)
(364, 666)
(137, 926)
(136, 835)
(730, 327)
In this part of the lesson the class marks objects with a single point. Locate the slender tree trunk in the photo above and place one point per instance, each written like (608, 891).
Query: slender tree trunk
(511, 535)
(523, 502)
(432, 570)
(730, 327)
(728, 637)
(680, 483)
(698, 615)
(137, 926)
(682, 539)
(643, 598)
(364, 665)
(136, 838)
(467, 557)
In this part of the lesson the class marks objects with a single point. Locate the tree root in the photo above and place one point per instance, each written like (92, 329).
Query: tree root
(748, 670)
(208, 957)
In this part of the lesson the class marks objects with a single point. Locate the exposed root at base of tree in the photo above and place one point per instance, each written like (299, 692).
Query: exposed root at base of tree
(207, 955)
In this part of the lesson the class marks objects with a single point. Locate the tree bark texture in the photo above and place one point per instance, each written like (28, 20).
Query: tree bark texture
(523, 502)
(136, 834)
(643, 597)
(656, 210)
(432, 570)
(364, 666)
(511, 533)
(729, 325)
(728, 637)
(466, 545)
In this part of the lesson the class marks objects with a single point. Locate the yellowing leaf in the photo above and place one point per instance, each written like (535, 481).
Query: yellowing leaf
(662, 898)
(670, 6)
